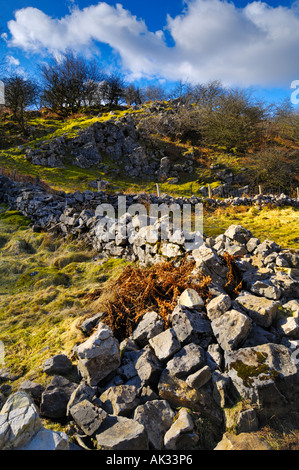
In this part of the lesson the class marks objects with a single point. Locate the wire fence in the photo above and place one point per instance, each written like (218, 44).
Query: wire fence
(252, 191)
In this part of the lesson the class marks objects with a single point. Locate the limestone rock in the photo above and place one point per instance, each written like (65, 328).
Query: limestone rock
(190, 326)
(208, 263)
(187, 361)
(149, 368)
(265, 375)
(98, 355)
(33, 389)
(289, 327)
(243, 441)
(218, 305)
(238, 233)
(120, 400)
(165, 345)
(81, 393)
(150, 325)
(156, 416)
(87, 416)
(19, 421)
(231, 329)
(182, 425)
(191, 299)
(261, 310)
(58, 365)
(177, 392)
(56, 397)
(120, 433)
(199, 378)
(46, 439)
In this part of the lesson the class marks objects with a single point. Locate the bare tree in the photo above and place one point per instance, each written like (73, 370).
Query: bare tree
(70, 83)
(134, 95)
(155, 93)
(112, 89)
(20, 94)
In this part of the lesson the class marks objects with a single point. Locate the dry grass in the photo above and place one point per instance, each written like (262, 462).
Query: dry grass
(138, 290)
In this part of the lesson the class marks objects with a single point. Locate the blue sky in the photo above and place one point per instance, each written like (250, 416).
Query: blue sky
(249, 44)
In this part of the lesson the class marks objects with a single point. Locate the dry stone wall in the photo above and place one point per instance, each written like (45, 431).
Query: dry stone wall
(160, 387)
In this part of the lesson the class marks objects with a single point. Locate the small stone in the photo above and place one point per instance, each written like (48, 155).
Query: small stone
(58, 365)
(238, 234)
(289, 327)
(56, 397)
(120, 400)
(156, 416)
(187, 361)
(199, 378)
(182, 425)
(252, 244)
(217, 306)
(231, 329)
(33, 389)
(150, 325)
(149, 368)
(190, 298)
(120, 433)
(87, 416)
(261, 310)
(190, 326)
(165, 345)
(98, 356)
(90, 323)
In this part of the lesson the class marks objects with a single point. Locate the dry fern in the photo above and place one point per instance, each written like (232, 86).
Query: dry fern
(139, 290)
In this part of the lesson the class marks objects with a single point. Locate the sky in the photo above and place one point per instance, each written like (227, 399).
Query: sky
(247, 44)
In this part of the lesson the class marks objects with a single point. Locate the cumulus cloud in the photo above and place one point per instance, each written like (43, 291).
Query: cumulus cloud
(211, 39)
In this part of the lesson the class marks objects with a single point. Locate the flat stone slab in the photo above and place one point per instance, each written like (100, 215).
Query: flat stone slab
(261, 310)
(120, 433)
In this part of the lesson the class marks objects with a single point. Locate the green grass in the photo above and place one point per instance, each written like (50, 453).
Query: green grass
(278, 224)
(42, 287)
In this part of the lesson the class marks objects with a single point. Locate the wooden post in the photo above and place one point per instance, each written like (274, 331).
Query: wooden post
(260, 190)
(297, 194)
(158, 190)
(210, 191)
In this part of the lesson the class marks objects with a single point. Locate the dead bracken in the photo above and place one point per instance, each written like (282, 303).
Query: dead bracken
(138, 290)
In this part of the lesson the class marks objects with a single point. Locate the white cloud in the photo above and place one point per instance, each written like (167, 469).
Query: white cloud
(12, 61)
(13, 66)
(255, 45)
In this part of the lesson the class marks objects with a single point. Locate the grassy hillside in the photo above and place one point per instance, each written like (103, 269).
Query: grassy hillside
(273, 162)
(43, 282)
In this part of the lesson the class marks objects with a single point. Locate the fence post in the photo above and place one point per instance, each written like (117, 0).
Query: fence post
(210, 191)
(297, 194)
(260, 189)
(158, 190)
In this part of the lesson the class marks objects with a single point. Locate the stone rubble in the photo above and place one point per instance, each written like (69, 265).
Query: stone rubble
(157, 388)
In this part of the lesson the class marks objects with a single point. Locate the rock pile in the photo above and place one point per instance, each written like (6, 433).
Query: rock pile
(76, 214)
(172, 388)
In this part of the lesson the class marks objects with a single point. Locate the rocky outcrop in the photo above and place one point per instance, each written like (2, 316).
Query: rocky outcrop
(119, 139)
